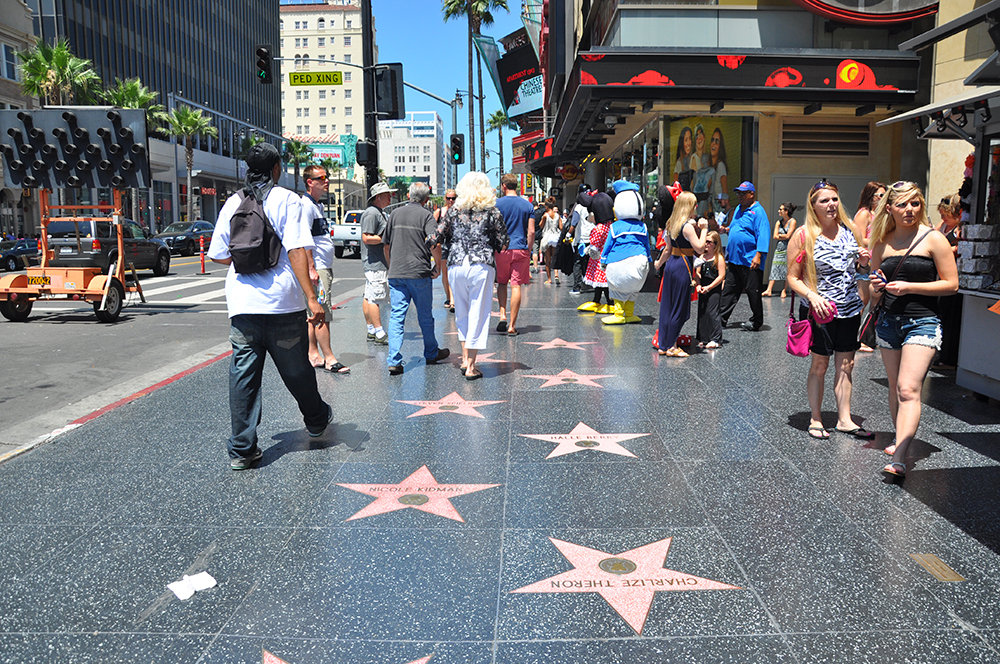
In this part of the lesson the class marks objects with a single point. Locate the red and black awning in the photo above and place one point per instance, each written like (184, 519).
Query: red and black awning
(613, 82)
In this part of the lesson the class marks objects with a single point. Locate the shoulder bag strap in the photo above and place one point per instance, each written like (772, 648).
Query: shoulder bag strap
(907, 254)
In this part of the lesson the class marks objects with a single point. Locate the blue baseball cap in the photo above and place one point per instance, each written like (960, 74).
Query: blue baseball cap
(745, 186)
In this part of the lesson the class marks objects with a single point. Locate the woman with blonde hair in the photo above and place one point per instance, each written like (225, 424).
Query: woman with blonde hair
(913, 265)
(684, 239)
(828, 250)
(473, 230)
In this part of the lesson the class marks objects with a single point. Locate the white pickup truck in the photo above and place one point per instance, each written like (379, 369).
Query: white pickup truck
(347, 235)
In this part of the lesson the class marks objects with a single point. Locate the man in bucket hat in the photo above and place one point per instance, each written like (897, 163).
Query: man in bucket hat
(267, 312)
(373, 260)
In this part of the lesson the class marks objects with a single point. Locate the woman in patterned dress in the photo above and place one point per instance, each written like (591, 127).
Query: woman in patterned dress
(783, 229)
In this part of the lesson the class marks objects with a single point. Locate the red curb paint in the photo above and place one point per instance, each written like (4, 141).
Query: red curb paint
(150, 389)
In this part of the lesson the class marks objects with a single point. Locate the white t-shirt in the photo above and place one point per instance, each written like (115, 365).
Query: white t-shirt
(323, 252)
(275, 291)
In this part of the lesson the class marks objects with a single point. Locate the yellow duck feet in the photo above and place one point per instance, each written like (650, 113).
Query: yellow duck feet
(618, 318)
(604, 309)
(630, 316)
(588, 306)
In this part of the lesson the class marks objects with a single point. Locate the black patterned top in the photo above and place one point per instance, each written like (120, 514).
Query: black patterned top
(474, 234)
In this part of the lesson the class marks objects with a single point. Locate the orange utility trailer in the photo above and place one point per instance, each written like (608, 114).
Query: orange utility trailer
(18, 292)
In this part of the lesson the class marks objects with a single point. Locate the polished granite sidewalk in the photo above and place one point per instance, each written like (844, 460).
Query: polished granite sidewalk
(587, 501)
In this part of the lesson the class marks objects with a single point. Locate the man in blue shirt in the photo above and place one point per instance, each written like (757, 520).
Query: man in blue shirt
(513, 264)
(749, 239)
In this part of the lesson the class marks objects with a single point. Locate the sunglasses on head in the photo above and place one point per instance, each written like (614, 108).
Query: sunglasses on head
(902, 184)
(825, 184)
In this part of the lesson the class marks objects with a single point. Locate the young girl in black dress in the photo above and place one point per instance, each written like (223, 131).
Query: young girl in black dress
(710, 274)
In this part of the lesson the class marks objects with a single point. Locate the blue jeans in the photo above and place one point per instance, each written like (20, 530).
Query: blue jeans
(895, 330)
(284, 337)
(401, 291)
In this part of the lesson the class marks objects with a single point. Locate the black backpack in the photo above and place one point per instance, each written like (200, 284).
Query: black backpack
(253, 243)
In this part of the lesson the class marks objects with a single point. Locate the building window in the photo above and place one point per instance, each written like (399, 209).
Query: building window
(333, 110)
(298, 112)
(321, 24)
(305, 129)
(305, 42)
(298, 25)
(282, 112)
(298, 129)
(322, 94)
(305, 95)
(322, 111)
(427, 149)
(322, 57)
(305, 112)
(348, 129)
(322, 129)
(281, 25)
(333, 129)
(298, 42)
(348, 23)
(427, 169)
(347, 58)
(321, 42)
(281, 44)
(347, 93)
(305, 25)
(332, 40)
(282, 95)
(347, 76)
(427, 157)
(298, 95)
(305, 61)
(333, 93)
(348, 111)
(347, 41)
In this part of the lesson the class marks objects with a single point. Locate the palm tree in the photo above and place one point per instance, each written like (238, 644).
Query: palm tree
(131, 93)
(297, 154)
(247, 143)
(478, 14)
(56, 76)
(187, 123)
(498, 121)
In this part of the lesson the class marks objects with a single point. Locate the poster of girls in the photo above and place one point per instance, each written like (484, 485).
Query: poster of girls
(705, 158)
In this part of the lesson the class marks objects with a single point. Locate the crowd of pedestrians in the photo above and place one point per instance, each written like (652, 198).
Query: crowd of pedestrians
(884, 278)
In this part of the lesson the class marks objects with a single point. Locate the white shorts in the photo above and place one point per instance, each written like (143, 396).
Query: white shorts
(626, 277)
(376, 286)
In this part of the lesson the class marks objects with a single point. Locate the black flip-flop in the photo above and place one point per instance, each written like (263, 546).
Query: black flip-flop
(823, 433)
(475, 376)
(337, 368)
(502, 326)
(860, 433)
(512, 332)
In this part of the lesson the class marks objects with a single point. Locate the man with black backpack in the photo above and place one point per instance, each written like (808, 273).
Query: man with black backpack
(261, 236)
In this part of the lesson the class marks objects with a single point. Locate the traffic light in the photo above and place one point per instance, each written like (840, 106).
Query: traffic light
(389, 92)
(458, 148)
(264, 64)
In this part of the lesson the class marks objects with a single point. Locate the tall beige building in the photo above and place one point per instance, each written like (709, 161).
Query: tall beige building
(324, 30)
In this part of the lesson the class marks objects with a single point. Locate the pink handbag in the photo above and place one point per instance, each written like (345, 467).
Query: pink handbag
(799, 334)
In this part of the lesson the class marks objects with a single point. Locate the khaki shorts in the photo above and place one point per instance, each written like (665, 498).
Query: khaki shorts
(376, 286)
(326, 280)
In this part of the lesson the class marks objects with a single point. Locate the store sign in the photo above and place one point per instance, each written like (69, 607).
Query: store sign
(871, 13)
(321, 151)
(208, 191)
(520, 81)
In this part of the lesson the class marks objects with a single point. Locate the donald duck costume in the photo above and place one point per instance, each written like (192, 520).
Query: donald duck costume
(626, 256)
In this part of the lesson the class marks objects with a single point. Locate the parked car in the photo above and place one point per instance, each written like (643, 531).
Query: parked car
(93, 244)
(11, 252)
(348, 234)
(184, 237)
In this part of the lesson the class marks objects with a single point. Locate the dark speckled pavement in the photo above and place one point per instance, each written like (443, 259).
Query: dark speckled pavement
(634, 509)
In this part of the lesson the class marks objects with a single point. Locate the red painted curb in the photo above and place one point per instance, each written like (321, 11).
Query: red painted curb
(150, 389)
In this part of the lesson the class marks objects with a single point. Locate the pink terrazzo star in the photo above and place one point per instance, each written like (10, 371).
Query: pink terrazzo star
(560, 343)
(453, 403)
(583, 438)
(419, 491)
(566, 376)
(422, 660)
(269, 658)
(627, 581)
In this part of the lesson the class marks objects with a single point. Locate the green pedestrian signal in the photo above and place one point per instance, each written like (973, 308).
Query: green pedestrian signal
(263, 54)
(458, 148)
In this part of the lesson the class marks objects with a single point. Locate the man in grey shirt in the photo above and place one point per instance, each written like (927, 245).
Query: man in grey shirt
(410, 274)
(373, 223)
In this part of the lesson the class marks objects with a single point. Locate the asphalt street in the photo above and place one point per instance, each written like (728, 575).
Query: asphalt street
(62, 364)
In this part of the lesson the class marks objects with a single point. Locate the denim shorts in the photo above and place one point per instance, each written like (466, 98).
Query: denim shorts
(895, 331)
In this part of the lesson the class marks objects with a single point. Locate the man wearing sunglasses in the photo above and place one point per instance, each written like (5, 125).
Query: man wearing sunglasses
(746, 253)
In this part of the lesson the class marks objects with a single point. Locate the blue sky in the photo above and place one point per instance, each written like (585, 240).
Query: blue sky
(435, 57)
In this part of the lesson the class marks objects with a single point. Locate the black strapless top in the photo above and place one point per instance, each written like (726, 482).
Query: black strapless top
(915, 269)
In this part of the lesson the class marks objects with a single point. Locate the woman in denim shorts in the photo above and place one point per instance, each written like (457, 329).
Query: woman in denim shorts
(909, 328)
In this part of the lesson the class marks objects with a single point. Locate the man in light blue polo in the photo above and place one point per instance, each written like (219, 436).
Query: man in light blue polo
(749, 239)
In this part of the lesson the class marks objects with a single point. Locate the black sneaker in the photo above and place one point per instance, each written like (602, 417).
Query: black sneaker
(383, 340)
(395, 369)
(315, 432)
(371, 336)
(442, 354)
(749, 327)
(245, 463)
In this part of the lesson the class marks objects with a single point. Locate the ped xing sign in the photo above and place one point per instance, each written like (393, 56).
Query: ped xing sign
(316, 78)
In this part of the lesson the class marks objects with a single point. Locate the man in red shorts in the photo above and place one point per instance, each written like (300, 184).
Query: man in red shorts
(513, 265)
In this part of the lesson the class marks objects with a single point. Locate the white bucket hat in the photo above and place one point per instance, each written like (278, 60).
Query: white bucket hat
(379, 188)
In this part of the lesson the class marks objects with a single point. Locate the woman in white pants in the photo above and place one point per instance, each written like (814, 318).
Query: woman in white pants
(472, 230)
